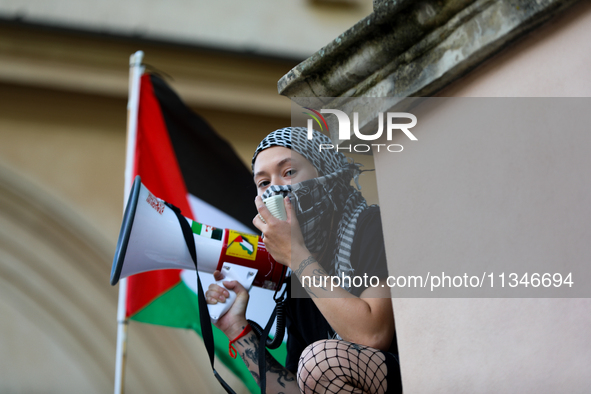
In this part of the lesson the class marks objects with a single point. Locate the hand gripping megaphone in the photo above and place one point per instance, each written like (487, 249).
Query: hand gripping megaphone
(151, 239)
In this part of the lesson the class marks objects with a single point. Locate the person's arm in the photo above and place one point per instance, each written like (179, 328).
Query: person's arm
(233, 323)
(367, 320)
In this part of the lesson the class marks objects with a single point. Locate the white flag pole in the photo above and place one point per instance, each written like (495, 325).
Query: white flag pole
(135, 72)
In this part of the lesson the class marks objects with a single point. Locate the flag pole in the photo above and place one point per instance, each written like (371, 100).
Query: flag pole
(135, 72)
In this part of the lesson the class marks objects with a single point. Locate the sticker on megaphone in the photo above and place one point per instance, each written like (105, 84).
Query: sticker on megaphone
(276, 206)
(243, 275)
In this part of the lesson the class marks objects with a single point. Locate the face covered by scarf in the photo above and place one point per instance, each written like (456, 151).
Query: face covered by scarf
(322, 204)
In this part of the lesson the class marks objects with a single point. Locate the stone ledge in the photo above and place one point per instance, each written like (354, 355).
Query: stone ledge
(409, 49)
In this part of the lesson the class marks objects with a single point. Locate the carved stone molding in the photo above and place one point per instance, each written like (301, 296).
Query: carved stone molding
(414, 48)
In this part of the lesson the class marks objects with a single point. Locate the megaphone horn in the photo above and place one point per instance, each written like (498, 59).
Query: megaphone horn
(151, 239)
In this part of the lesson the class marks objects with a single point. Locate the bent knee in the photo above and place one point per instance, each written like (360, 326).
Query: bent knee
(315, 365)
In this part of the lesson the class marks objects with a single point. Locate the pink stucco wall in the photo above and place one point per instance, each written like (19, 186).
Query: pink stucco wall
(496, 345)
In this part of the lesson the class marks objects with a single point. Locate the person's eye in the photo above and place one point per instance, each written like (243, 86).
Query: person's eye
(290, 173)
(262, 184)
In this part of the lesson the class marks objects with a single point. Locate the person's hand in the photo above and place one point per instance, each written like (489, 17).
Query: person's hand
(279, 236)
(234, 320)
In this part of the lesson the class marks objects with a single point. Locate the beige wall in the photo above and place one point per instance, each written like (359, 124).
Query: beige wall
(62, 148)
(549, 62)
(74, 145)
(293, 29)
(494, 345)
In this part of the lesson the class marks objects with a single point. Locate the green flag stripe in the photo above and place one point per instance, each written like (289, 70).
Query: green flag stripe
(196, 227)
(216, 233)
(185, 314)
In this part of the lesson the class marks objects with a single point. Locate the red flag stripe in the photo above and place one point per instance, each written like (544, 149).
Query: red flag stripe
(156, 163)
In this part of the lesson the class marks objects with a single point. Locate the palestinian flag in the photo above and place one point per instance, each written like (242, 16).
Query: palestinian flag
(184, 162)
(244, 244)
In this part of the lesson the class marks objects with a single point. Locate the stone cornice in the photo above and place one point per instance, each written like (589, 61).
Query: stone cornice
(410, 48)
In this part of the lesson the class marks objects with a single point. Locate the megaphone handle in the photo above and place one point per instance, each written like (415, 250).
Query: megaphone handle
(216, 311)
(244, 275)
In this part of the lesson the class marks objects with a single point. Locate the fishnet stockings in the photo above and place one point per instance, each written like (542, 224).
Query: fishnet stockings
(333, 366)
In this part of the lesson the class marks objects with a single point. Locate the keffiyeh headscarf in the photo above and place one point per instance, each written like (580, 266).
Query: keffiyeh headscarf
(316, 200)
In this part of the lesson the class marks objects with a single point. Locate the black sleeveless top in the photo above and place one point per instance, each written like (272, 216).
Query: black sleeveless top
(305, 323)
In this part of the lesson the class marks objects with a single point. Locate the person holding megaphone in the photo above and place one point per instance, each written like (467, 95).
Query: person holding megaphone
(341, 338)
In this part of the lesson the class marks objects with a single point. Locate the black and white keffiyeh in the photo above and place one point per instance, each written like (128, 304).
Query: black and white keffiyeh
(316, 200)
